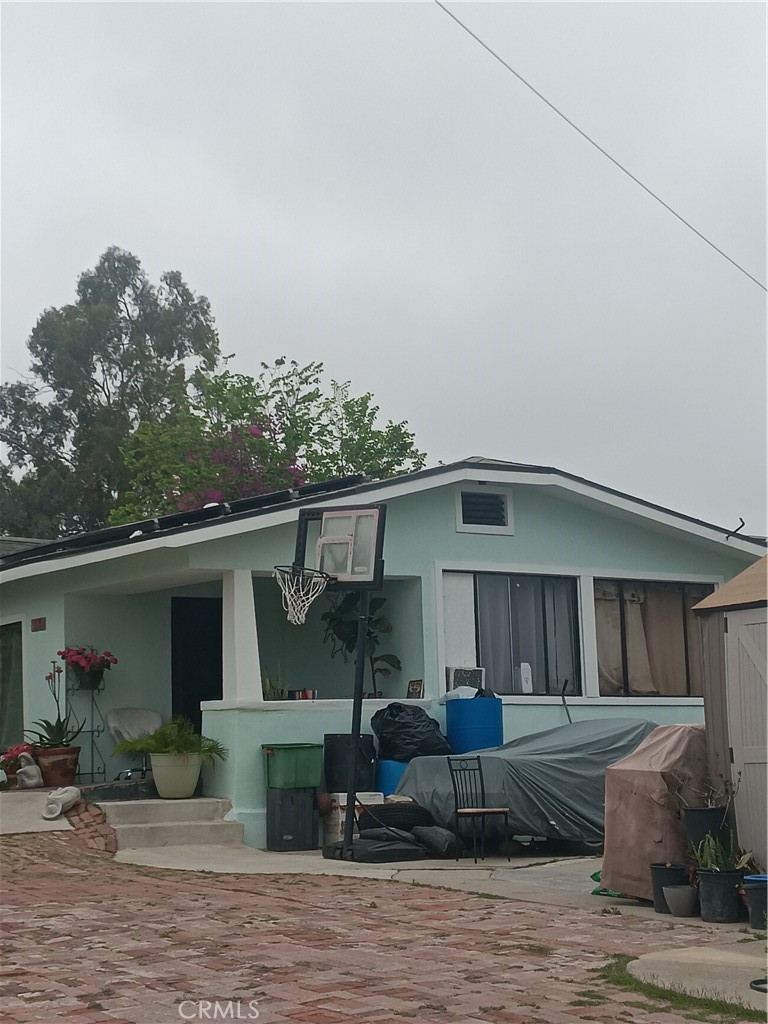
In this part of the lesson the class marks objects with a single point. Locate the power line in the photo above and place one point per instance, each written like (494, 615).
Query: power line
(598, 147)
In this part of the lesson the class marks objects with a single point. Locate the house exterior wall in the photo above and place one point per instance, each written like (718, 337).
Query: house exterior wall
(244, 730)
(551, 535)
(135, 627)
(554, 532)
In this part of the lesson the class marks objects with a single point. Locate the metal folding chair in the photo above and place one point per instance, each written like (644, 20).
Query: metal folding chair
(470, 802)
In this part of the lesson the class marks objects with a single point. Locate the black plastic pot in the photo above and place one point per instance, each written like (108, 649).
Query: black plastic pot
(701, 822)
(666, 874)
(756, 888)
(719, 896)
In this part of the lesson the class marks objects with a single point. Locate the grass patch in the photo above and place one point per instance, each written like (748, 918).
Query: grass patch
(589, 993)
(663, 1000)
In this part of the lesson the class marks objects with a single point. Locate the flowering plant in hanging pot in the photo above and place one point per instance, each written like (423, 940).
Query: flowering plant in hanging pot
(88, 665)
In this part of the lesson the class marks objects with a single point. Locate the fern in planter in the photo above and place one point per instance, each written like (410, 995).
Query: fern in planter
(176, 736)
(341, 632)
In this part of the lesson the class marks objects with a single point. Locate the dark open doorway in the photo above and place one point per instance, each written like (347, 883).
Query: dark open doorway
(195, 654)
(11, 687)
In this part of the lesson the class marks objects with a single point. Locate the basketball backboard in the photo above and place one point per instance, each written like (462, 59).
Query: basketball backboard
(347, 543)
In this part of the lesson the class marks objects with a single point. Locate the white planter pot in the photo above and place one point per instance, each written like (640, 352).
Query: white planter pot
(176, 775)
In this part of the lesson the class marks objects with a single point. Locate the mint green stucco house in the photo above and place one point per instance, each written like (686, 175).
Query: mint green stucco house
(552, 583)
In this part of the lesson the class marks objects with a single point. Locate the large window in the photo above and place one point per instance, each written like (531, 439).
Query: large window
(647, 638)
(527, 633)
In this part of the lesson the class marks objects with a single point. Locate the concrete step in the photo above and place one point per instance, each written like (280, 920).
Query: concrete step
(163, 812)
(179, 833)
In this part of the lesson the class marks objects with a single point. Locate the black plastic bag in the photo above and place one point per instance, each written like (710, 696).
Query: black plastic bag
(405, 732)
(372, 851)
(385, 835)
(439, 841)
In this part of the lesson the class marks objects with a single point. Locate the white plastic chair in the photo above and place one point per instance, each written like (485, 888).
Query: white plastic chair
(129, 724)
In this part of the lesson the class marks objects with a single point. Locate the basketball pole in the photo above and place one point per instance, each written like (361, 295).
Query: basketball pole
(357, 717)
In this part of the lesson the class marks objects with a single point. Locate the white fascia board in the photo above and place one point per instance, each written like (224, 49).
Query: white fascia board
(221, 528)
(389, 489)
(634, 507)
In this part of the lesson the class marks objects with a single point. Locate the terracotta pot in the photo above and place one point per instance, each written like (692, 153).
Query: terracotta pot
(58, 765)
(10, 776)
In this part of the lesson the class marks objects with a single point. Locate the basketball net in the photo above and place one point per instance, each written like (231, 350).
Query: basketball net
(300, 587)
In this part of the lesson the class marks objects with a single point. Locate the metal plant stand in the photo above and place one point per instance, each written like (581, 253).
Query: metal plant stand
(87, 710)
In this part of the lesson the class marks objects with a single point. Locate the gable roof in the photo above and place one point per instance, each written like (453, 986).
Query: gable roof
(747, 590)
(227, 518)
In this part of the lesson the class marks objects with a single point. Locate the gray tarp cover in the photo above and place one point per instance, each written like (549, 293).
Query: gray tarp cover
(553, 782)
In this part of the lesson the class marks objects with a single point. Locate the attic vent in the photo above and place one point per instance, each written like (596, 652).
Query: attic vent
(481, 509)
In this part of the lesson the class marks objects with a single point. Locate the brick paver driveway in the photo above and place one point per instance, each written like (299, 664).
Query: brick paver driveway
(88, 940)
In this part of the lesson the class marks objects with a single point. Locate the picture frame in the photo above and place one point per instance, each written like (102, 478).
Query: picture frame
(415, 689)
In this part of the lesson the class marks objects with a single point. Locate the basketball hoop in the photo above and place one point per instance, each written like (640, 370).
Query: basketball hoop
(300, 586)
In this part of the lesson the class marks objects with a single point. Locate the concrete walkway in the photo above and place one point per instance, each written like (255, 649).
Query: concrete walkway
(733, 957)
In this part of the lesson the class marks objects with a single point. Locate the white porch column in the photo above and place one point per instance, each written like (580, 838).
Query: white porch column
(241, 668)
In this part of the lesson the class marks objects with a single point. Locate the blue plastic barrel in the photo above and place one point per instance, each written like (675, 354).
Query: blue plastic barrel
(388, 775)
(474, 724)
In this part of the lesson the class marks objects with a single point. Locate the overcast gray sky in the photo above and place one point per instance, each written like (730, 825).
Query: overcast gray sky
(364, 185)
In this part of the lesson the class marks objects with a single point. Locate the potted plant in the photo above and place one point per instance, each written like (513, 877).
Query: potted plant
(682, 900)
(664, 875)
(705, 811)
(88, 665)
(341, 632)
(177, 752)
(52, 741)
(271, 687)
(720, 868)
(10, 763)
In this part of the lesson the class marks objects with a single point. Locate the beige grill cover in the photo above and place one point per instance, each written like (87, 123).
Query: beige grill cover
(643, 823)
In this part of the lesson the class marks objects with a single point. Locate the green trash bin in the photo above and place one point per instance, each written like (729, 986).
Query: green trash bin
(293, 765)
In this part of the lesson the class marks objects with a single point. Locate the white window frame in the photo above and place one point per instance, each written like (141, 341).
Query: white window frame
(587, 634)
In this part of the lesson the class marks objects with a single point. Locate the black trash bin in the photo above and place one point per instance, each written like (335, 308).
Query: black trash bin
(292, 820)
(336, 763)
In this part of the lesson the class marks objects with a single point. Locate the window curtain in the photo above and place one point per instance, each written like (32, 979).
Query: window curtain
(662, 615)
(11, 689)
(493, 628)
(560, 625)
(527, 620)
(608, 628)
(527, 632)
(658, 621)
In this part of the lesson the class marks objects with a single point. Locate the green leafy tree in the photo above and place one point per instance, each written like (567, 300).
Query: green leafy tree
(238, 436)
(117, 358)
